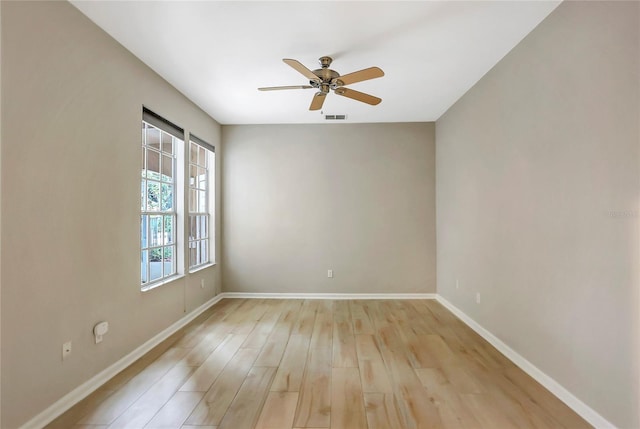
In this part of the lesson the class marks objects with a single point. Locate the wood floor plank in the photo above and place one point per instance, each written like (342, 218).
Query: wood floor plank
(291, 370)
(245, 409)
(373, 373)
(117, 403)
(322, 334)
(344, 344)
(194, 332)
(407, 320)
(291, 309)
(462, 379)
(201, 351)
(418, 311)
(367, 348)
(245, 322)
(216, 401)
(274, 347)
(347, 401)
(420, 353)
(374, 377)
(413, 331)
(453, 413)
(175, 411)
(143, 409)
(381, 315)
(314, 403)
(278, 410)
(258, 337)
(382, 411)
(439, 350)
(415, 408)
(273, 350)
(391, 347)
(485, 412)
(360, 318)
(206, 374)
(306, 318)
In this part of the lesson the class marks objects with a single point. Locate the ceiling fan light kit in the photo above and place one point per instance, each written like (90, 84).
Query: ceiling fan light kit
(326, 80)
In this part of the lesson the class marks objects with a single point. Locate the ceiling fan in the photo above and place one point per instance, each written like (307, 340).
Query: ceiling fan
(324, 79)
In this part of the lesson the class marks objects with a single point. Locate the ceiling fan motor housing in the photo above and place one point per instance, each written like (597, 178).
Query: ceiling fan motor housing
(326, 75)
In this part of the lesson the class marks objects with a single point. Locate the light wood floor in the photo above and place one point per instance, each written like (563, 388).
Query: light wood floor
(286, 364)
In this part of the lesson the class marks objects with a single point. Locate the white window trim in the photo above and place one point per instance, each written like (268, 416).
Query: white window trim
(179, 231)
(211, 170)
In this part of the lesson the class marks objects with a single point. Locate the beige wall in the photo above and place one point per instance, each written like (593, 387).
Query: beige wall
(358, 199)
(538, 199)
(71, 110)
(0, 209)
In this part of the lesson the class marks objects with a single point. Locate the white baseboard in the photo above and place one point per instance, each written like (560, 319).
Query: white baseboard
(334, 296)
(586, 412)
(85, 389)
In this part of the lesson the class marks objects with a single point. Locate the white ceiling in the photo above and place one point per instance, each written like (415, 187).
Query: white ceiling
(218, 52)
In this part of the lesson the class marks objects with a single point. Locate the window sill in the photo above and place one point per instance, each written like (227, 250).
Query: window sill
(149, 287)
(202, 267)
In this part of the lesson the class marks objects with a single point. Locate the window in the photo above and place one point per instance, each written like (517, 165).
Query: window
(159, 191)
(201, 171)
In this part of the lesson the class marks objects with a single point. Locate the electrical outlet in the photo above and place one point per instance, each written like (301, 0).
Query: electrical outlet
(330, 274)
(201, 283)
(66, 350)
(478, 298)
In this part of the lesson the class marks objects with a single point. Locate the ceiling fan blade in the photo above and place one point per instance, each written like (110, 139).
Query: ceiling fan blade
(359, 76)
(277, 88)
(358, 96)
(297, 65)
(318, 101)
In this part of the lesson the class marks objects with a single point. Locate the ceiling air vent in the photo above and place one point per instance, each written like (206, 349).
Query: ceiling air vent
(335, 117)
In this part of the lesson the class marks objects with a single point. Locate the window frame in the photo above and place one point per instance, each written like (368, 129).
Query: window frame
(175, 212)
(196, 186)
